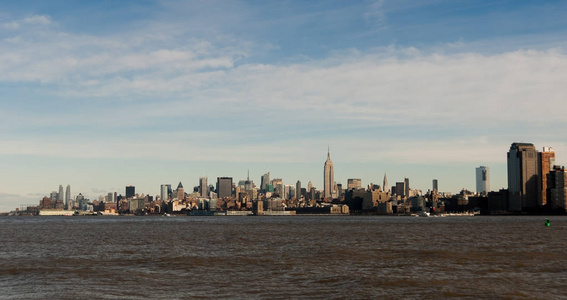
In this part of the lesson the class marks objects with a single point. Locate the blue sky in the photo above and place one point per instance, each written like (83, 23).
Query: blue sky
(104, 94)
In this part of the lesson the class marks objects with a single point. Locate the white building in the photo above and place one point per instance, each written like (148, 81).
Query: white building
(482, 180)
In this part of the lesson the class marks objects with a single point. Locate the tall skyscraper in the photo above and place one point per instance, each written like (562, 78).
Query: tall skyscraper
(264, 181)
(248, 184)
(164, 192)
(546, 163)
(60, 195)
(482, 180)
(385, 186)
(401, 189)
(557, 188)
(298, 190)
(435, 185)
(406, 187)
(224, 187)
(68, 202)
(328, 177)
(53, 196)
(278, 185)
(523, 179)
(130, 191)
(180, 192)
(203, 187)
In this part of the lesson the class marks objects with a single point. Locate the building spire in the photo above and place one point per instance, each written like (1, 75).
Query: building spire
(328, 152)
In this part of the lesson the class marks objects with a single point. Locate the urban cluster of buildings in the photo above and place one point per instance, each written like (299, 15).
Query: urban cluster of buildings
(535, 185)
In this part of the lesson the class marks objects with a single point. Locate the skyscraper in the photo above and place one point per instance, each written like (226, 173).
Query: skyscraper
(278, 185)
(164, 192)
(546, 162)
(435, 185)
(385, 186)
(401, 189)
(130, 191)
(557, 188)
(224, 187)
(60, 195)
(203, 187)
(180, 192)
(482, 180)
(264, 181)
(68, 202)
(248, 184)
(298, 190)
(406, 187)
(328, 177)
(523, 179)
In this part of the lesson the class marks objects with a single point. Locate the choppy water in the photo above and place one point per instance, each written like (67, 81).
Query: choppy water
(282, 257)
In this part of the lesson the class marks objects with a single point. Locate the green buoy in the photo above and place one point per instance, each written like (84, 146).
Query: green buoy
(547, 222)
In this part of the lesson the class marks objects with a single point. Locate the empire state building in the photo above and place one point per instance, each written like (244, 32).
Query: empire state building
(328, 177)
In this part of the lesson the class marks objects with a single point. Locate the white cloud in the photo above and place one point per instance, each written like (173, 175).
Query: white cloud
(37, 19)
(375, 16)
(11, 25)
(30, 20)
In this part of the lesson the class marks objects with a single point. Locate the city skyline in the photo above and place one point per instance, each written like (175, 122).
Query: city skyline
(102, 95)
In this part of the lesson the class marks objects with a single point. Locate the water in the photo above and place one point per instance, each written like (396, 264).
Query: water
(282, 257)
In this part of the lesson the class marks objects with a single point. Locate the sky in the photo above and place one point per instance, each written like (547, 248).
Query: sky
(99, 95)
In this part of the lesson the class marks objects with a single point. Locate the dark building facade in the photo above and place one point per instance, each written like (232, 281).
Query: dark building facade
(130, 191)
(523, 178)
(224, 187)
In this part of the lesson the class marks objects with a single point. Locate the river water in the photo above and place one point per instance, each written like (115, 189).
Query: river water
(331, 257)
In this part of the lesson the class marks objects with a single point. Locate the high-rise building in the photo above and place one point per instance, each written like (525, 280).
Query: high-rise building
(546, 162)
(289, 191)
(68, 201)
(328, 177)
(385, 186)
(60, 195)
(482, 180)
(557, 188)
(248, 184)
(130, 191)
(435, 185)
(164, 192)
(309, 185)
(406, 187)
(278, 185)
(224, 187)
(264, 181)
(53, 196)
(180, 192)
(298, 190)
(523, 179)
(401, 189)
(81, 203)
(203, 187)
(110, 197)
(354, 183)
